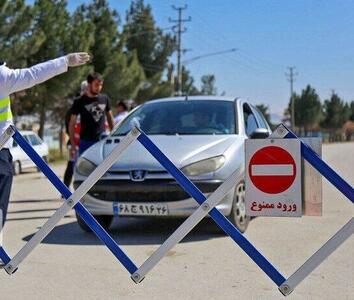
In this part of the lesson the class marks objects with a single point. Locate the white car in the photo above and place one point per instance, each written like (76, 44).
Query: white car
(21, 161)
(203, 136)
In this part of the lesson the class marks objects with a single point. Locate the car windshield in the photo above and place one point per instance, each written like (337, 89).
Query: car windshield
(190, 117)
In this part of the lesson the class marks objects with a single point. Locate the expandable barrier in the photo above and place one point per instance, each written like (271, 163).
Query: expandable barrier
(337, 239)
(72, 200)
(207, 206)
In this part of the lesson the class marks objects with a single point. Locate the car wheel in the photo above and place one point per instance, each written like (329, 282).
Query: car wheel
(16, 166)
(238, 213)
(104, 221)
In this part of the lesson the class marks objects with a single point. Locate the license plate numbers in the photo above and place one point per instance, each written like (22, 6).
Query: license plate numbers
(140, 209)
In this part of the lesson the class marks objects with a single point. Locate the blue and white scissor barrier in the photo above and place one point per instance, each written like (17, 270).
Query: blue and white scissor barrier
(72, 200)
(207, 206)
(336, 240)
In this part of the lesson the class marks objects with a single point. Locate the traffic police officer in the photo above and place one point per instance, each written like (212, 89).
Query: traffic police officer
(14, 80)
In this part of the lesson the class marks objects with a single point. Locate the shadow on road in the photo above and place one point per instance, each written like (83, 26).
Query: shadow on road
(129, 231)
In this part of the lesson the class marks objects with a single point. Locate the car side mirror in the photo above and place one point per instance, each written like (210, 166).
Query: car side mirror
(259, 133)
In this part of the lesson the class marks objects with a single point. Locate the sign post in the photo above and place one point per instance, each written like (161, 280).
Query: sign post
(273, 178)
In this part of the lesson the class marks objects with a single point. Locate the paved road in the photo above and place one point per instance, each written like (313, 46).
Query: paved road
(71, 264)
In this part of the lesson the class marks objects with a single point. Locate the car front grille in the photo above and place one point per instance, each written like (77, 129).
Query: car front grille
(147, 191)
(140, 197)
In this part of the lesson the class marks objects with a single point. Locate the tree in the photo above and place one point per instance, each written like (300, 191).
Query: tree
(308, 109)
(15, 46)
(153, 49)
(351, 111)
(188, 86)
(53, 15)
(15, 21)
(66, 34)
(208, 85)
(105, 31)
(80, 38)
(123, 76)
(336, 112)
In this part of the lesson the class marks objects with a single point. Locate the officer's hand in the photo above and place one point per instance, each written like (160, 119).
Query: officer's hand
(77, 59)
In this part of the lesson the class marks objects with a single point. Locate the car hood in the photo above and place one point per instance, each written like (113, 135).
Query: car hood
(181, 150)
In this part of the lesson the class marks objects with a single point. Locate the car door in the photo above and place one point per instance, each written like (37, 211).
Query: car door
(260, 119)
(38, 145)
(25, 161)
(250, 121)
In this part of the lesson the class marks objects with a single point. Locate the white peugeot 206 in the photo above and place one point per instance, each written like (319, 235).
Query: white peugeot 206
(202, 135)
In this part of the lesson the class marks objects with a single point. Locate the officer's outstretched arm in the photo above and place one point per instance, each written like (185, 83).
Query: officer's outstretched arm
(15, 80)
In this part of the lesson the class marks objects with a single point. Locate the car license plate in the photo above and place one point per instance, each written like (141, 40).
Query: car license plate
(140, 209)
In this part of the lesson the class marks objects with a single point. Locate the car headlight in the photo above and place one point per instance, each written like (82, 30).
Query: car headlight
(204, 166)
(84, 166)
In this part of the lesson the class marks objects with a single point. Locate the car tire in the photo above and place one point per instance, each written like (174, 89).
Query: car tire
(16, 166)
(238, 212)
(104, 220)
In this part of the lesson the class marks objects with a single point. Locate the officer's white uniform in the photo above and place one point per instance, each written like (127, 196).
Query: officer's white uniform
(19, 79)
(14, 80)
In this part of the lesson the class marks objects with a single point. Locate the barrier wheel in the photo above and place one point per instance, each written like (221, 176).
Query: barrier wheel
(238, 212)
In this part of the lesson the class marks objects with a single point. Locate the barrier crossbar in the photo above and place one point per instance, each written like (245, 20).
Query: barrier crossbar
(187, 185)
(4, 138)
(207, 206)
(72, 200)
(337, 239)
(215, 214)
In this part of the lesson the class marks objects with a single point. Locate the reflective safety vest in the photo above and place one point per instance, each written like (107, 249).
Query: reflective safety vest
(5, 109)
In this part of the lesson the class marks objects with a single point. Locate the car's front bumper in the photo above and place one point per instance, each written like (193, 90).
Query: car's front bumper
(105, 195)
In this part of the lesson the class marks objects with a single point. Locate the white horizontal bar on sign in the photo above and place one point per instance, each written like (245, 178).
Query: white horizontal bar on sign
(272, 170)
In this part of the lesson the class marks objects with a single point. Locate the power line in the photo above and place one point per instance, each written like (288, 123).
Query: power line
(208, 54)
(178, 29)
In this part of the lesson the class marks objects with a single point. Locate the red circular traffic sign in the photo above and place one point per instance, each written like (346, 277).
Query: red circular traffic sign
(272, 169)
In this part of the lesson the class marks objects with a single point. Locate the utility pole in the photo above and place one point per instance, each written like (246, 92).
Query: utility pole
(291, 79)
(178, 30)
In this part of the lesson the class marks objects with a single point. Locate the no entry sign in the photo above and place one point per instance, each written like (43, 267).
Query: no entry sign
(273, 177)
(272, 169)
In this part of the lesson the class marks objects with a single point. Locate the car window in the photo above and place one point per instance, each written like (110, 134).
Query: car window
(14, 144)
(249, 119)
(260, 118)
(34, 140)
(182, 117)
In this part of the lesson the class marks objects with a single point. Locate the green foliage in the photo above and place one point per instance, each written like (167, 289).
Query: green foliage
(15, 21)
(153, 49)
(143, 36)
(123, 76)
(351, 108)
(105, 30)
(308, 109)
(208, 85)
(336, 112)
(188, 86)
(134, 62)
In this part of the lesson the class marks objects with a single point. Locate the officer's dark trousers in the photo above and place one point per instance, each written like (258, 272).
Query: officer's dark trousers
(6, 174)
(68, 175)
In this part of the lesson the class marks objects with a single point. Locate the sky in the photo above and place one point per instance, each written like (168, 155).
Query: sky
(316, 37)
